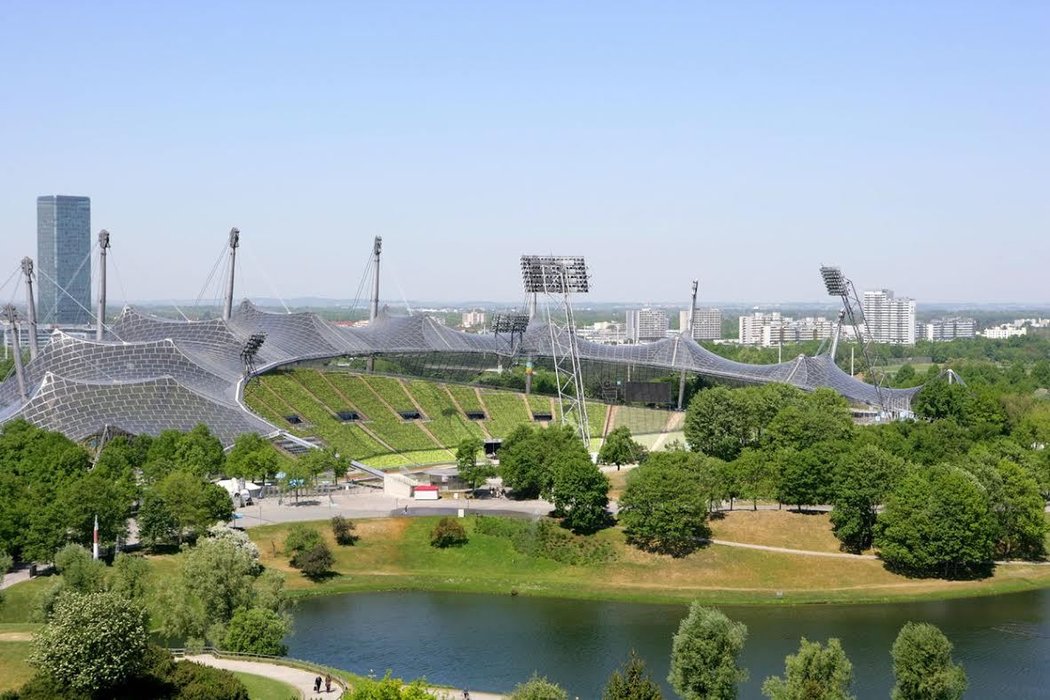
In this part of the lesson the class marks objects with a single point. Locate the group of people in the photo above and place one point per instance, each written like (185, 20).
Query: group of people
(327, 684)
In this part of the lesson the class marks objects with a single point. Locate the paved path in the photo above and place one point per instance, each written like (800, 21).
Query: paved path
(370, 503)
(15, 576)
(785, 550)
(301, 680)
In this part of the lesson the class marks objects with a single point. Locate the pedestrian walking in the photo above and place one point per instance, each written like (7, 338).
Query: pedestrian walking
(327, 682)
(317, 684)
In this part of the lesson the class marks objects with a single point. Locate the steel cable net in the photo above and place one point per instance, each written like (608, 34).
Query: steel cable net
(149, 374)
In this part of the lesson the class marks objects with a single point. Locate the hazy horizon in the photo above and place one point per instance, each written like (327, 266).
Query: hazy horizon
(740, 144)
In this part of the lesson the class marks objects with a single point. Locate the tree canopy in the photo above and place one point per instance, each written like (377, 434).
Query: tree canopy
(664, 507)
(922, 665)
(937, 522)
(704, 655)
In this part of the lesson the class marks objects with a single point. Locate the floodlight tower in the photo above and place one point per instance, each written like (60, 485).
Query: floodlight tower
(103, 246)
(27, 271)
(227, 306)
(687, 332)
(558, 278)
(16, 347)
(838, 285)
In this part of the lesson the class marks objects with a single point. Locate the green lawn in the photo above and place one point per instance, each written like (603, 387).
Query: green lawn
(14, 669)
(395, 554)
(262, 688)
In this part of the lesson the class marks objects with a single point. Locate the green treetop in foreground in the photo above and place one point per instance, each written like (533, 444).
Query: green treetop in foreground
(923, 667)
(538, 688)
(704, 653)
(93, 641)
(632, 682)
(816, 672)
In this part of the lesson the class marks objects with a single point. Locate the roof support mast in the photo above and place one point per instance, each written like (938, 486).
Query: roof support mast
(27, 270)
(103, 246)
(227, 306)
(16, 346)
(373, 309)
(687, 332)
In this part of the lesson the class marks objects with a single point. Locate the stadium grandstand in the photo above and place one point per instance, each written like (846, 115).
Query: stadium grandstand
(145, 374)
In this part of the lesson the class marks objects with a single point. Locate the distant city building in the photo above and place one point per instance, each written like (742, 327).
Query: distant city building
(1006, 330)
(63, 240)
(607, 332)
(707, 323)
(772, 329)
(646, 325)
(751, 328)
(473, 319)
(948, 328)
(811, 328)
(889, 319)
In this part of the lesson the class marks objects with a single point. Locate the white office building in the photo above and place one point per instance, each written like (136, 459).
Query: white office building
(948, 328)
(707, 323)
(646, 325)
(889, 319)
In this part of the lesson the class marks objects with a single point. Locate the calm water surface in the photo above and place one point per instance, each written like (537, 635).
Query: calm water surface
(492, 642)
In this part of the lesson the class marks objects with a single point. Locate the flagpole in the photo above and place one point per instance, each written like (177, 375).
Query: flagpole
(94, 546)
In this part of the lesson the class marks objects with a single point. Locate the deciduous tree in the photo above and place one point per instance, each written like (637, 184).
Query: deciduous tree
(93, 641)
(816, 672)
(664, 507)
(937, 522)
(922, 665)
(704, 655)
(619, 448)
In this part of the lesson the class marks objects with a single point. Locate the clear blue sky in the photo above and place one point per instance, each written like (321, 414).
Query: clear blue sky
(743, 143)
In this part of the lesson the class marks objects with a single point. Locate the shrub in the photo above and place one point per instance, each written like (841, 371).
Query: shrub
(544, 538)
(256, 631)
(343, 529)
(197, 682)
(314, 562)
(448, 533)
(301, 538)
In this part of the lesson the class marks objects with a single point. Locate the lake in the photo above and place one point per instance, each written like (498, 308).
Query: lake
(490, 642)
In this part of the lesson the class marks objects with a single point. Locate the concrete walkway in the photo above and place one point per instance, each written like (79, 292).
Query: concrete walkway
(369, 503)
(301, 680)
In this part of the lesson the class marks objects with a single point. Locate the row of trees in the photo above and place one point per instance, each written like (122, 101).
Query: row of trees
(704, 666)
(551, 463)
(52, 489)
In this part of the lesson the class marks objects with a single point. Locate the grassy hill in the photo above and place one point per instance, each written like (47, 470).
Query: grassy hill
(382, 437)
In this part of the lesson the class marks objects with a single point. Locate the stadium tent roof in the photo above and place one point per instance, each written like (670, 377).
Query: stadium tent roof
(151, 374)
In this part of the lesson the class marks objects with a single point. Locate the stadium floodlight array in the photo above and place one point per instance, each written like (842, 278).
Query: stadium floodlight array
(834, 280)
(251, 348)
(550, 274)
(510, 323)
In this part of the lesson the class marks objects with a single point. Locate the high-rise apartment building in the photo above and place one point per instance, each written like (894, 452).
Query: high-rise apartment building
(473, 319)
(63, 242)
(646, 325)
(751, 327)
(889, 319)
(707, 323)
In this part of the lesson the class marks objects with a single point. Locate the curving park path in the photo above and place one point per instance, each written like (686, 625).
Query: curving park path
(301, 680)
